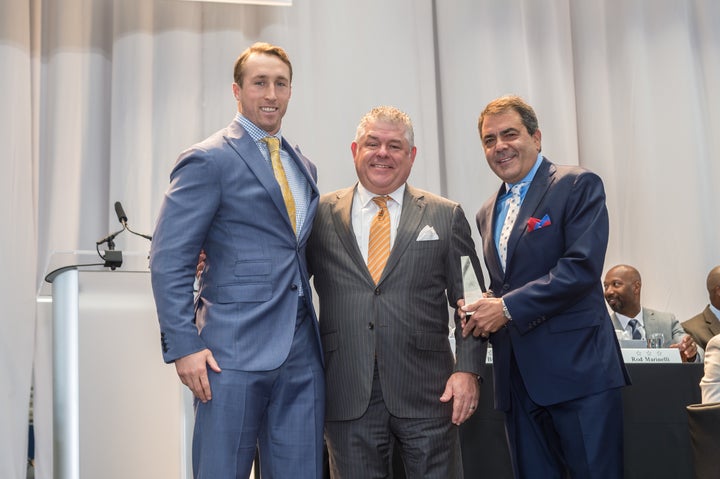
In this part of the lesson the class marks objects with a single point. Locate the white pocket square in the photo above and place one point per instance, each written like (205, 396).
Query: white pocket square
(427, 234)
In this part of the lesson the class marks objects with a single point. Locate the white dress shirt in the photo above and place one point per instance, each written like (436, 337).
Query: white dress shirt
(364, 210)
(624, 320)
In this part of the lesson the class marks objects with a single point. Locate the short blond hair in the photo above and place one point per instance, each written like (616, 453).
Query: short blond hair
(260, 48)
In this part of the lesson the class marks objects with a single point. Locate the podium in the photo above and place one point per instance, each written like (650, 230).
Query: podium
(118, 410)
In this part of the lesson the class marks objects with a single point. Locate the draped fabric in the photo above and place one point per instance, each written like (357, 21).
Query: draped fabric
(100, 96)
(18, 253)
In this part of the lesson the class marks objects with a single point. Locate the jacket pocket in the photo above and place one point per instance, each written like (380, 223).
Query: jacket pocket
(244, 292)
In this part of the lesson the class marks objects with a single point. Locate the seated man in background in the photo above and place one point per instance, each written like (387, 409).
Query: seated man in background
(622, 292)
(707, 324)
(710, 383)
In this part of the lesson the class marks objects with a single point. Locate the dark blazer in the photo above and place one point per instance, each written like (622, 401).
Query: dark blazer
(560, 333)
(702, 327)
(402, 321)
(223, 198)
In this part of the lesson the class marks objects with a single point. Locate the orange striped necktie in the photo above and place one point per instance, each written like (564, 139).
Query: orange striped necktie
(273, 144)
(379, 244)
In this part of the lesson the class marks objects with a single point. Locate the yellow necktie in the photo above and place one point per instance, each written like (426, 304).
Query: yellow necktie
(273, 144)
(379, 244)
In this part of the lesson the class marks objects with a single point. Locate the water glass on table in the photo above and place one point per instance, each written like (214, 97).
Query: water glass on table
(656, 340)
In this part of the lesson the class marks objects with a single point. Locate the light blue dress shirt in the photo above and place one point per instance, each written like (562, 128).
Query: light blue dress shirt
(299, 185)
(501, 208)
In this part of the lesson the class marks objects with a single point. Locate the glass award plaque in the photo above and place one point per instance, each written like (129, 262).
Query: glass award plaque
(471, 286)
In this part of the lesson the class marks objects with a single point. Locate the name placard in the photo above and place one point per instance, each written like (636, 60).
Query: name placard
(651, 356)
(631, 355)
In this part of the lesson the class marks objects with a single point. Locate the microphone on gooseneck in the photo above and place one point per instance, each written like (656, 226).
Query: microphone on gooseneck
(113, 259)
(109, 238)
(122, 217)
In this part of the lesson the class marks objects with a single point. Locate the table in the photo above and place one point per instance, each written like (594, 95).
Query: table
(657, 438)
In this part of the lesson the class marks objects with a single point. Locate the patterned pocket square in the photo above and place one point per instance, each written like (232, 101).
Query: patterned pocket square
(535, 224)
(427, 234)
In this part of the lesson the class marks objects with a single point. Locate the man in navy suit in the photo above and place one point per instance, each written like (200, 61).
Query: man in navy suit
(557, 364)
(249, 347)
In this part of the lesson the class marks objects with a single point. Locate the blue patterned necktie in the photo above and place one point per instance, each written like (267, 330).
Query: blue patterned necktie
(636, 334)
(510, 217)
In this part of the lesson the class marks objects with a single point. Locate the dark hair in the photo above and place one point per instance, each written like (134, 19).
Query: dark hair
(511, 102)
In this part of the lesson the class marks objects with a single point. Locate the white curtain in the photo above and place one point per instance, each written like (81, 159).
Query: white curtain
(18, 253)
(100, 96)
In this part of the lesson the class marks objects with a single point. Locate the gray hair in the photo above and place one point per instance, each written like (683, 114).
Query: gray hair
(386, 114)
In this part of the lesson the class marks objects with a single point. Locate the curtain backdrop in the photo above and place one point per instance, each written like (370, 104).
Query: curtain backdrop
(100, 96)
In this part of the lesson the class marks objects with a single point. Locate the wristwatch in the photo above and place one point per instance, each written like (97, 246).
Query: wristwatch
(505, 310)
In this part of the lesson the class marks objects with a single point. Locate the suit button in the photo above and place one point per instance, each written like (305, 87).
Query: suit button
(293, 287)
(505, 287)
(377, 291)
(371, 325)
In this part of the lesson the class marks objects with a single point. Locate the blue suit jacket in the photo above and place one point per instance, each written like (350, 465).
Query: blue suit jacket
(223, 198)
(560, 334)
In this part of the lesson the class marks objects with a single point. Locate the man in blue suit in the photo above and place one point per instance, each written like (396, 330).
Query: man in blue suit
(557, 364)
(248, 347)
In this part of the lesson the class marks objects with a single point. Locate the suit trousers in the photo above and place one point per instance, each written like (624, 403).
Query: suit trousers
(362, 448)
(578, 439)
(279, 412)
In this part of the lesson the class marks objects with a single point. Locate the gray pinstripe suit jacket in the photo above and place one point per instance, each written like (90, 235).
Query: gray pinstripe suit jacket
(402, 321)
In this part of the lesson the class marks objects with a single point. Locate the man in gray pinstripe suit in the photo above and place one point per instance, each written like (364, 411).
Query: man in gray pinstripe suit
(391, 375)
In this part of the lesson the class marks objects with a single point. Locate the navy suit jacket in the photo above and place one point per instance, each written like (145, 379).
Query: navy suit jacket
(560, 333)
(223, 198)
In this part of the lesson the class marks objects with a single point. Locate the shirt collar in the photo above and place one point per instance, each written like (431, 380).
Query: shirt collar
(624, 320)
(528, 178)
(715, 310)
(366, 196)
(255, 132)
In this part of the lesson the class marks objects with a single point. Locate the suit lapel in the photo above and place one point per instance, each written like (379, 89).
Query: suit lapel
(711, 321)
(616, 321)
(650, 323)
(541, 183)
(489, 241)
(341, 212)
(314, 193)
(410, 217)
(412, 213)
(248, 152)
